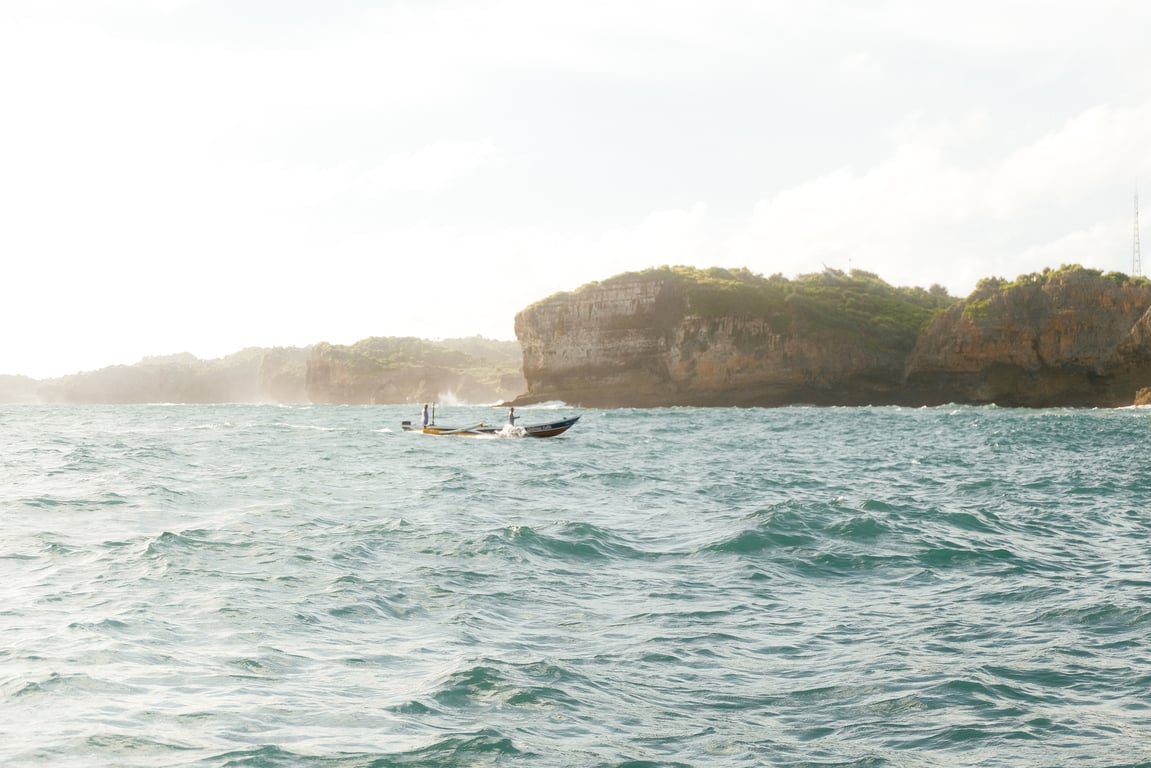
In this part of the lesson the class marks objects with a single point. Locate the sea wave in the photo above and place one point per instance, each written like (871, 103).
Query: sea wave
(259, 586)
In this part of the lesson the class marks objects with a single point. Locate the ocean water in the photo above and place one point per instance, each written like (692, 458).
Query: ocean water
(279, 586)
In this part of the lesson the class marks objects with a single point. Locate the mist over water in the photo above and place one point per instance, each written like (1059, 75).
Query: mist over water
(273, 586)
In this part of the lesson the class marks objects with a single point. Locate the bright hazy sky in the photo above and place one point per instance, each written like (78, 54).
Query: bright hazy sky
(207, 175)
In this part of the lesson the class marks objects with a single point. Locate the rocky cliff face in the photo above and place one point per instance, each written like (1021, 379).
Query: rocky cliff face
(1072, 337)
(638, 343)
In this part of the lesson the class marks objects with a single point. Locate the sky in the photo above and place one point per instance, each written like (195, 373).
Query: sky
(208, 175)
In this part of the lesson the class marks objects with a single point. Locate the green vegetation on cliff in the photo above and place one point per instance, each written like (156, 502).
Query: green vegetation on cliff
(392, 352)
(857, 304)
(408, 369)
(250, 375)
(995, 289)
(862, 303)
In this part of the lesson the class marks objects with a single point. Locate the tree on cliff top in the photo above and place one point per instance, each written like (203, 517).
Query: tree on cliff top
(995, 290)
(863, 302)
(856, 303)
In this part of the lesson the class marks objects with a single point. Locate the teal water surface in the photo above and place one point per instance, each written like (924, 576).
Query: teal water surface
(276, 586)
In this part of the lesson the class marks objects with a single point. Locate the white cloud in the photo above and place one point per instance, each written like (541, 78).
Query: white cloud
(92, 8)
(948, 133)
(1079, 247)
(312, 170)
(1099, 146)
(860, 67)
(429, 169)
(1016, 28)
(921, 216)
(884, 217)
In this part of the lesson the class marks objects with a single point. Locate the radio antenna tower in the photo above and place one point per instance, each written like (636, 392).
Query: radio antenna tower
(1136, 261)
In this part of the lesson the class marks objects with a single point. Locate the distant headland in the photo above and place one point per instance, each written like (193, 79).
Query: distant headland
(372, 371)
(679, 335)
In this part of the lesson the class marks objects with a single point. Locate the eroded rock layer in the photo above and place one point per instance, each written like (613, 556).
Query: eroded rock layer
(663, 337)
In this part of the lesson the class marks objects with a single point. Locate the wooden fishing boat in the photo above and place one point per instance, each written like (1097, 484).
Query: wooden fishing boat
(546, 429)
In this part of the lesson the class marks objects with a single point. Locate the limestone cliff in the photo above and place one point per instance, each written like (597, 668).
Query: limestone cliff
(1070, 337)
(675, 336)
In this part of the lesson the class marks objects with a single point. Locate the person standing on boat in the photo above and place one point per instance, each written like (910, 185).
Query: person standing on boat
(512, 416)
(425, 414)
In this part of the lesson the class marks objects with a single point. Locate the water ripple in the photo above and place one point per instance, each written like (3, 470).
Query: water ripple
(267, 586)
